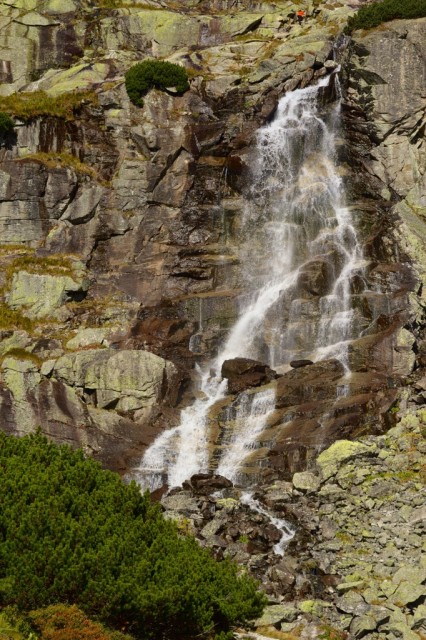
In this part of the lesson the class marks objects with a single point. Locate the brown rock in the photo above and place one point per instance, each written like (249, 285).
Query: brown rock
(243, 373)
(206, 483)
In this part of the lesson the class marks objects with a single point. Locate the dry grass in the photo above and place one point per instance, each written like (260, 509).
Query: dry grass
(27, 106)
(13, 319)
(57, 265)
(55, 160)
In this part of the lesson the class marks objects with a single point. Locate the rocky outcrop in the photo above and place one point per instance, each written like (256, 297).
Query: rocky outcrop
(385, 119)
(356, 566)
(72, 397)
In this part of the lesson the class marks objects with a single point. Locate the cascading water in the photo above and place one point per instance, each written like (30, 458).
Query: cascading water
(298, 254)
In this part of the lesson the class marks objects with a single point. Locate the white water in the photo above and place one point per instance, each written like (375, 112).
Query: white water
(287, 532)
(250, 419)
(295, 220)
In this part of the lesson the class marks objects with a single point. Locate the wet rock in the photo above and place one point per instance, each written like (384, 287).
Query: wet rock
(205, 483)
(243, 373)
(298, 364)
(305, 384)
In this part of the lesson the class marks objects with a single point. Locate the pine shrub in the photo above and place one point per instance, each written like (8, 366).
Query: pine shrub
(145, 75)
(73, 533)
(6, 123)
(372, 15)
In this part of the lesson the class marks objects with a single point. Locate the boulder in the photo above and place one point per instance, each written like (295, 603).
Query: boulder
(41, 295)
(123, 380)
(341, 451)
(243, 373)
(206, 483)
(306, 481)
(274, 614)
(316, 382)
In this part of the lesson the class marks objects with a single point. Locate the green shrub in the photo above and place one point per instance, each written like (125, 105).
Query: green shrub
(73, 533)
(6, 123)
(145, 75)
(371, 15)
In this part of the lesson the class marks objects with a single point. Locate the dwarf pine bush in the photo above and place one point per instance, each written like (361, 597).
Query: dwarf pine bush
(145, 75)
(372, 15)
(73, 533)
(6, 123)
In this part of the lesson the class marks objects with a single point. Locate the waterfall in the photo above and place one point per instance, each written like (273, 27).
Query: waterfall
(298, 252)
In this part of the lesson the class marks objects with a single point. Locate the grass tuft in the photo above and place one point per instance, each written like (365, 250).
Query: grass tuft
(27, 106)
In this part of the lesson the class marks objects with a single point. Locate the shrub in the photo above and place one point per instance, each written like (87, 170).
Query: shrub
(62, 622)
(6, 123)
(71, 532)
(145, 75)
(371, 15)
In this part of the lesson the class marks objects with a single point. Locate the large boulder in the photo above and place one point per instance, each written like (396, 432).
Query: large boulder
(243, 373)
(121, 380)
(314, 383)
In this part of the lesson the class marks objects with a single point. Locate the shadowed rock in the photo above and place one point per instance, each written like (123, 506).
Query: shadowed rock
(205, 483)
(243, 373)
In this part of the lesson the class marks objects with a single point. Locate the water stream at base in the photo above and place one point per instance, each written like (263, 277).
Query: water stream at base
(287, 532)
(295, 230)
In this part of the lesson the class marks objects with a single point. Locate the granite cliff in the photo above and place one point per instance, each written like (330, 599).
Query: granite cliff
(119, 225)
(119, 250)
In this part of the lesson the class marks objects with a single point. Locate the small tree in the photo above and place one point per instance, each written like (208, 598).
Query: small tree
(6, 123)
(145, 75)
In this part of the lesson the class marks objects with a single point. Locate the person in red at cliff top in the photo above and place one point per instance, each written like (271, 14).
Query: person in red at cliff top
(301, 15)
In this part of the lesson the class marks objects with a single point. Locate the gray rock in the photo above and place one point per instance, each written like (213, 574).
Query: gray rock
(414, 575)
(352, 602)
(274, 614)
(362, 625)
(306, 481)
(407, 592)
(419, 618)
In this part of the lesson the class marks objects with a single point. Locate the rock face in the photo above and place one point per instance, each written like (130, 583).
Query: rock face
(72, 398)
(120, 226)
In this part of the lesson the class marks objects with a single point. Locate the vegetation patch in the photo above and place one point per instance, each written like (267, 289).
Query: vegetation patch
(53, 265)
(6, 123)
(27, 106)
(148, 74)
(56, 622)
(74, 533)
(372, 15)
(14, 319)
